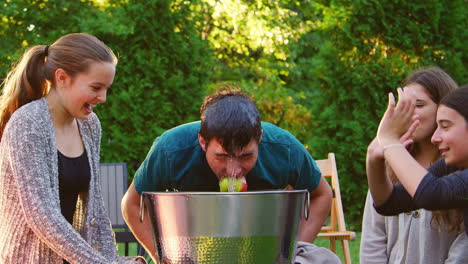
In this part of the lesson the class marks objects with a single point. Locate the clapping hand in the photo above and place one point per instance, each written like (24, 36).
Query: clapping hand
(399, 122)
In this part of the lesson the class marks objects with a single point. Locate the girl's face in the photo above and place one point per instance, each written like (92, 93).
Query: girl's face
(426, 109)
(85, 90)
(451, 136)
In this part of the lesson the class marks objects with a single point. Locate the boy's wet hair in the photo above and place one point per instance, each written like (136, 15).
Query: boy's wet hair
(231, 117)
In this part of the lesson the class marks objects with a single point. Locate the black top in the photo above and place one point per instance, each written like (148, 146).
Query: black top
(74, 177)
(443, 187)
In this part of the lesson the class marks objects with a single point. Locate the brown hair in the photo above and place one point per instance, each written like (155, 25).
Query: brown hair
(457, 101)
(230, 116)
(437, 84)
(33, 76)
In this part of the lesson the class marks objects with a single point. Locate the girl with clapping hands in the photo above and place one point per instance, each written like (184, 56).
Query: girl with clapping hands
(445, 184)
(407, 232)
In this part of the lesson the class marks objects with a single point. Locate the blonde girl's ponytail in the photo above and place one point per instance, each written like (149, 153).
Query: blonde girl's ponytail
(26, 82)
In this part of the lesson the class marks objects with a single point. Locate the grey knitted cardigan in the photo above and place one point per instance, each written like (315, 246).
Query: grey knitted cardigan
(408, 239)
(32, 228)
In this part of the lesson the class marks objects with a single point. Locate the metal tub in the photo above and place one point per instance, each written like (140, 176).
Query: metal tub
(225, 228)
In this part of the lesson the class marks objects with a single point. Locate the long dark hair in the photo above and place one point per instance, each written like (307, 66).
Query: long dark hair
(33, 76)
(438, 84)
(458, 101)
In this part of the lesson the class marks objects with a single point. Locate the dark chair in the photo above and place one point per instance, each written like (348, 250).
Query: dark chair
(114, 186)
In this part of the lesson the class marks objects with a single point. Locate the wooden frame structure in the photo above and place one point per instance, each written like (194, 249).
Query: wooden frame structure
(336, 227)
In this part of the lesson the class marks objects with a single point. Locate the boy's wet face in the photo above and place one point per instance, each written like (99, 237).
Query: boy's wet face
(224, 164)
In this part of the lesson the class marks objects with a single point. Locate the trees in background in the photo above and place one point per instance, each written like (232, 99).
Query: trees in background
(161, 77)
(353, 54)
(320, 69)
(163, 67)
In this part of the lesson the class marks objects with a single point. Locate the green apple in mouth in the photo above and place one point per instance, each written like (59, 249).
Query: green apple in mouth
(230, 184)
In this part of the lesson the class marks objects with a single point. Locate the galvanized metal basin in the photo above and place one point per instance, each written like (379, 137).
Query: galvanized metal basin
(225, 228)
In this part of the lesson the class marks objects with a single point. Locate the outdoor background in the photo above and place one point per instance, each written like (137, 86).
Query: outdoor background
(320, 69)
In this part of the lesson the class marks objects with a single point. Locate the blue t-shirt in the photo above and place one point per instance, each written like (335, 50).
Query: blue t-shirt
(176, 161)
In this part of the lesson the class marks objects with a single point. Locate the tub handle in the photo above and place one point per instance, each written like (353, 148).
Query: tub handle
(157, 249)
(307, 205)
(142, 208)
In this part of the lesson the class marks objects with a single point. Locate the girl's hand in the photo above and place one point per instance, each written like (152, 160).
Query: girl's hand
(375, 150)
(400, 121)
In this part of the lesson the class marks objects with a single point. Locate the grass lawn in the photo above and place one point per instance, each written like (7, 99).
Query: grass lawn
(353, 245)
(132, 251)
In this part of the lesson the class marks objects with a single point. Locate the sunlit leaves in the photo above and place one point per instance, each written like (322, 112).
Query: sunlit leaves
(250, 40)
(245, 27)
(30, 22)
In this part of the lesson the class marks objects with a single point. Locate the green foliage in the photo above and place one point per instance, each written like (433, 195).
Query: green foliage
(163, 62)
(321, 69)
(160, 79)
(352, 57)
(24, 23)
(250, 41)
